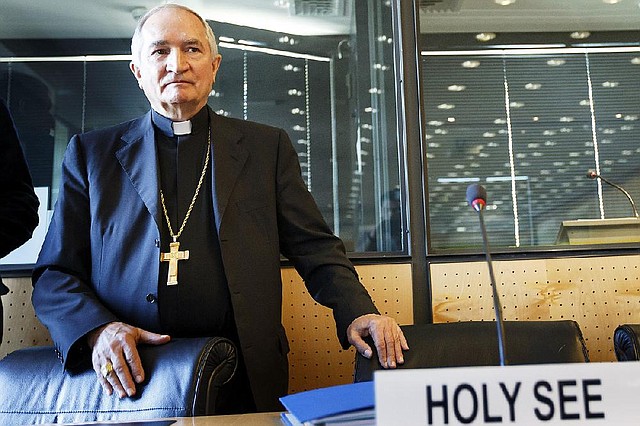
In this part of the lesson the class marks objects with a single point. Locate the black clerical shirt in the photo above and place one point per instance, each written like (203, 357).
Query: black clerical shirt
(199, 305)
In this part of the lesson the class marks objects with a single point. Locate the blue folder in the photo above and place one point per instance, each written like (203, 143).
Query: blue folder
(325, 402)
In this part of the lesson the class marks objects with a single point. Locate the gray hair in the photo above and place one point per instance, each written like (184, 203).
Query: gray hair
(135, 40)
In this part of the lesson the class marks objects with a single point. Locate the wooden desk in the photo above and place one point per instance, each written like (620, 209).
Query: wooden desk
(599, 231)
(259, 419)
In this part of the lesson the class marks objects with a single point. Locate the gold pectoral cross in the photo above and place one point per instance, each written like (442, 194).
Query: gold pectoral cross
(173, 257)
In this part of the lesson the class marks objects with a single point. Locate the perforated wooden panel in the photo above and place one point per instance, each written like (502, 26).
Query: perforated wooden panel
(21, 327)
(316, 358)
(599, 293)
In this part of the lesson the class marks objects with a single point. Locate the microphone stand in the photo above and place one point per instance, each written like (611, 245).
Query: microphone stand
(618, 187)
(497, 307)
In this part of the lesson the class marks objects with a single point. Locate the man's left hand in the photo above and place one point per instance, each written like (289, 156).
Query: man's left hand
(386, 334)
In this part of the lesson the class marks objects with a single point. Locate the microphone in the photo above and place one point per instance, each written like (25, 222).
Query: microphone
(477, 199)
(593, 175)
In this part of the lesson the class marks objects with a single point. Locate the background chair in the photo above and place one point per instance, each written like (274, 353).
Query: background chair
(625, 342)
(474, 343)
(185, 378)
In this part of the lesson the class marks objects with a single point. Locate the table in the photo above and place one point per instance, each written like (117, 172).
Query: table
(257, 419)
(254, 419)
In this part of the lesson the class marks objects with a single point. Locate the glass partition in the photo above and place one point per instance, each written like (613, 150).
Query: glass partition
(529, 125)
(331, 86)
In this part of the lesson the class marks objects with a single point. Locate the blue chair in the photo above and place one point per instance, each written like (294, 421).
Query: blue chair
(185, 378)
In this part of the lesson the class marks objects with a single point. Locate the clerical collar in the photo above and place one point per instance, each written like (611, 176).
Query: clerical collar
(197, 124)
(181, 127)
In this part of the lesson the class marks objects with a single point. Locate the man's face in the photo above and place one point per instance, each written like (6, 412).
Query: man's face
(175, 68)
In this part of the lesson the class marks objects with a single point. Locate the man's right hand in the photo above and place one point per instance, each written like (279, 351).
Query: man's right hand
(115, 356)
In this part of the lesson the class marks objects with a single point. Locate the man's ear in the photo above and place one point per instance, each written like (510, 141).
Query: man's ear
(136, 72)
(215, 65)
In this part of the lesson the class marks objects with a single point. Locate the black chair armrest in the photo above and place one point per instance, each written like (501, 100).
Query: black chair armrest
(183, 379)
(625, 342)
(475, 343)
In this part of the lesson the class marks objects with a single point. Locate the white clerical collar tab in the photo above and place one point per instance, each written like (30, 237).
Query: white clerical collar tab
(181, 127)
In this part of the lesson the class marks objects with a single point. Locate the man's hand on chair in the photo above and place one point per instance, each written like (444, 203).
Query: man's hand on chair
(386, 334)
(115, 356)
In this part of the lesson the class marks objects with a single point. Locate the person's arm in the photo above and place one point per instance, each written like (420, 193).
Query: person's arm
(18, 201)
(320, 258)
(81, 326)
(62, 297)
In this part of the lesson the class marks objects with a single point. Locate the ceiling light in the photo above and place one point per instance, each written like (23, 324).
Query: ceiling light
(580, 35)
(532, 86)
(610, 1)
(250, 43)
(484, 37)
(636, 60)
(504, 2)
(556, 62)
(456, 88)
(471, 64)
(138, 12)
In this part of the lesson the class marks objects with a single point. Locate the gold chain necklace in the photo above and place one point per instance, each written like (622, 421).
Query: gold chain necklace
(175, 254)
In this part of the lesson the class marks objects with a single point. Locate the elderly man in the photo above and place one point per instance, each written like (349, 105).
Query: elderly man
(173, 224)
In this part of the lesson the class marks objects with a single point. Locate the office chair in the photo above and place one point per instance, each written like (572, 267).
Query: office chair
(625, 342)
(184, 378)
(475, 343)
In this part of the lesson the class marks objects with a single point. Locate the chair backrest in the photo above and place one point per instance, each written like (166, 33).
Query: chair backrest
(186, 377)
(475, 343)
(625, 342)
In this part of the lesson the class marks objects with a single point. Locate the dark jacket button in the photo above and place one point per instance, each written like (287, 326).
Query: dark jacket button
(151, 298)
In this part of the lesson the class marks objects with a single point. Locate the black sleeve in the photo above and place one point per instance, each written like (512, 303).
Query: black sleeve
(18, 201)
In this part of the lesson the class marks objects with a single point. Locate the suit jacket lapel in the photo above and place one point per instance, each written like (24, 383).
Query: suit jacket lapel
(229, 158)
(139, 161)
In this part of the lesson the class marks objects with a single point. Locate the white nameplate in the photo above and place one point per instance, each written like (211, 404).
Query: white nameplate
(543, 394)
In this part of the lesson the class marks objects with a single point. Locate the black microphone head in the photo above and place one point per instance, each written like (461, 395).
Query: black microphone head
(591, 174)
(476, 196)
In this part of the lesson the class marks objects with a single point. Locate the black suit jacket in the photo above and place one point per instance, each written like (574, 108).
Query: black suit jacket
(100, 261)
(18, 201)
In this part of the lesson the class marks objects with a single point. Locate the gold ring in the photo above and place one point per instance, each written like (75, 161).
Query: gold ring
(106, 369)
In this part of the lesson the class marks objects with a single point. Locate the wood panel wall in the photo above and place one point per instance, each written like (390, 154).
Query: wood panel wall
(599, 293)
(21, 327)
(316, 358)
